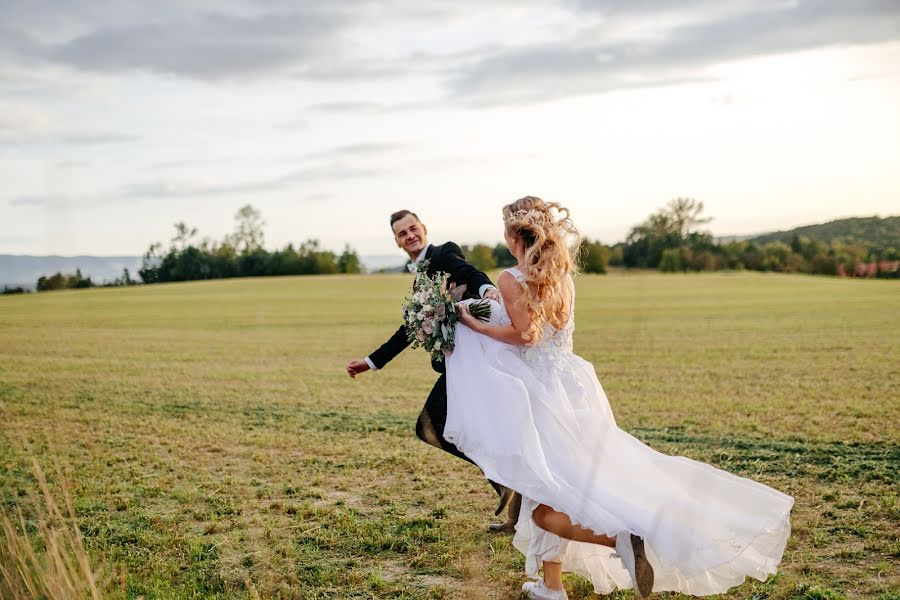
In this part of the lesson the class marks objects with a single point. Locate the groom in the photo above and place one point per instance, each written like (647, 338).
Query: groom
(411, 235)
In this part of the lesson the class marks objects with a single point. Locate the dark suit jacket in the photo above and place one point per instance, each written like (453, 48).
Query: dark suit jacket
(449, 259)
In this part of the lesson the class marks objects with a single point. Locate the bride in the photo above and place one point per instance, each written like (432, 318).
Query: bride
(596, 501)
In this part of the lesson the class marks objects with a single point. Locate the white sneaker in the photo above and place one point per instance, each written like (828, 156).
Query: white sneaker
(536, 590)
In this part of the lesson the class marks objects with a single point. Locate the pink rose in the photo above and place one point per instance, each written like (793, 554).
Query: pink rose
(420, 336)
(428, 325)
(440, 311)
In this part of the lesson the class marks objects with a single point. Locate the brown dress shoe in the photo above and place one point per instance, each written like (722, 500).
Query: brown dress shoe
(643, 570)
(513, 500)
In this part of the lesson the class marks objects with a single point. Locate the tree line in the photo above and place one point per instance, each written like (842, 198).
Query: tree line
(64, 281)
(240, 254)
(670, 240)
(593, 258)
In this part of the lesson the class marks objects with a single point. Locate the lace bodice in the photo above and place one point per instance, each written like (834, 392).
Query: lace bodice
(555, 345)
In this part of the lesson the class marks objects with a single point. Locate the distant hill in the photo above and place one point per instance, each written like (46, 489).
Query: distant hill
(874, 232)
(724, 239)
(24, 270)
(388, 262)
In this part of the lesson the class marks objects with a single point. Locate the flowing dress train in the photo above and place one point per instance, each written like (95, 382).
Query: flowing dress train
(536, 419)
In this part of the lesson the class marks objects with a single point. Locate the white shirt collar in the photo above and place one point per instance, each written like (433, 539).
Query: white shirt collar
(412, 265)
(421, 256)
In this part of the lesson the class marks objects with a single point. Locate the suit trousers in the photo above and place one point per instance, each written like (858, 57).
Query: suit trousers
(430, 426)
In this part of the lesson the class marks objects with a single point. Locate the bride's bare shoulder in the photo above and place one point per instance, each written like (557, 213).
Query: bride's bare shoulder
(509, 286)
(508, 278)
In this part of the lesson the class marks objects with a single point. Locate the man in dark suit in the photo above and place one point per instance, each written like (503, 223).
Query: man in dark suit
(411, 235)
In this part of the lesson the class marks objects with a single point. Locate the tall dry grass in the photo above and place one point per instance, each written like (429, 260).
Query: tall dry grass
(53, 562)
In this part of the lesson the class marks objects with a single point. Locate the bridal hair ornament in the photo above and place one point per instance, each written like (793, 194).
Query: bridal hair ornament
(533, 216)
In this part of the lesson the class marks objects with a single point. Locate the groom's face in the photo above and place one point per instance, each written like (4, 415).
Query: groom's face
(410, 235)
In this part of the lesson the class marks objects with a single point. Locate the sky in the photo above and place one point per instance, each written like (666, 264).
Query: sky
(118, 119)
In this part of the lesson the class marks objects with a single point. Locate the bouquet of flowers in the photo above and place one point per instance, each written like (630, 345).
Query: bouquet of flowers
(430, 313)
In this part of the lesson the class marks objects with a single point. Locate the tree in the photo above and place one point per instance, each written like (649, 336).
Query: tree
(849, 255)
(616, 255)
(183, 235)
(776, 256)
(704, 260)
(248, 232)
(594, 257)
(254, 263)
(670, 262)
(188, 265)
(670, 227)
(731, 254)
(752, 257)
(124, 279)
(481, 257)
(315, 261)
(823, 264)
(149, 270)
(685, 215)
(502, 256)
(59, 281)
(17, 289)
(54, 282)
(348, 261)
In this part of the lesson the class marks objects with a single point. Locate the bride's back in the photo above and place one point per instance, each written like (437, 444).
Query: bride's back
(544, 240)
(565, 289)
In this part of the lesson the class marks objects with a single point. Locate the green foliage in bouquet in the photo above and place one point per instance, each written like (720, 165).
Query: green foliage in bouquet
(430, 313)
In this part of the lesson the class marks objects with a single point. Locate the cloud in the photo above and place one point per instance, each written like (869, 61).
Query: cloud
(592, 63)
(165, 165)
(90, 138)
(372, 108)
(29, 201)
(22, 121)
(179, 189)
(18, 45)
(71, 164)
(25, 123)
(612, 44)
(344, 106)
(362, 150)
(209, 45)
(15, 239)
(317, 198)
(319, 164)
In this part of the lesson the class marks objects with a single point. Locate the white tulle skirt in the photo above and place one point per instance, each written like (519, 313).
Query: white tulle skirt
(544, 427)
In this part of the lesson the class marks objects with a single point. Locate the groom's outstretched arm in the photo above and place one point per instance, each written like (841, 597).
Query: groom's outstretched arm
(388, 350)
(463, 271)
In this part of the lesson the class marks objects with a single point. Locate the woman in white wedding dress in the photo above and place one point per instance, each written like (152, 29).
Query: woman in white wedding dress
(596, 501)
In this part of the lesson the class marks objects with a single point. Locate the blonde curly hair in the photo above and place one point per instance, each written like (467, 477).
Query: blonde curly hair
(552, 244)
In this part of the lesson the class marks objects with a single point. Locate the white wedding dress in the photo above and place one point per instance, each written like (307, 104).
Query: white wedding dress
(537, 420)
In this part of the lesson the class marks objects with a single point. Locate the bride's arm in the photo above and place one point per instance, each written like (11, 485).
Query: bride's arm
(511, 290)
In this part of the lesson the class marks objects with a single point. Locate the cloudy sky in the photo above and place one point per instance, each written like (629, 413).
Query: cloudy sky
(119, 118)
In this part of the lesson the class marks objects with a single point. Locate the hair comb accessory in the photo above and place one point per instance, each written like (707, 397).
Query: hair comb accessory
(534, 216)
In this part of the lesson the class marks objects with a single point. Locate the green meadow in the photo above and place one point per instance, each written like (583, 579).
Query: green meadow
(214, 446)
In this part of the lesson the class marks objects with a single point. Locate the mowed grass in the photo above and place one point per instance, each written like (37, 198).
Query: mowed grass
(215, 447)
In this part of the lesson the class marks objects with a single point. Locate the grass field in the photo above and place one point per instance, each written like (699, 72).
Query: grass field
(215, 447)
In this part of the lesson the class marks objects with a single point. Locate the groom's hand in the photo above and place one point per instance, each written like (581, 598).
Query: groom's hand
(492, 294)
(355, 367)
